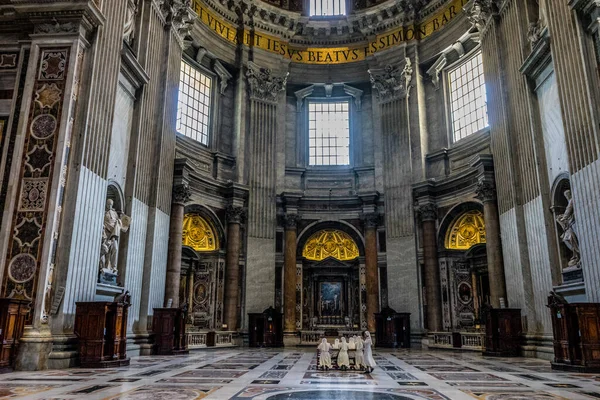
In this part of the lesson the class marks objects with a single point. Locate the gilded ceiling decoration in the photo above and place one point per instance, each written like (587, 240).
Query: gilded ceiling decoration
(467, 231)
(199, 234)
(330, 243)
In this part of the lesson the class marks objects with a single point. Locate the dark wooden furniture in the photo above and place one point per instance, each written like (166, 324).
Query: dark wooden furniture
(102, 331)
(180, 345)
(265, 329)
(168, 325)
(503, 332)
(163, 326)
(392, 329)
(576, 328)
(13, 313)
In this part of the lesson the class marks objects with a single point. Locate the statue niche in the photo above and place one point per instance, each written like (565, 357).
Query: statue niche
(115, 223)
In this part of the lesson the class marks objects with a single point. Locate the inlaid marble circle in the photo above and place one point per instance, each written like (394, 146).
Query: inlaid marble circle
(22, 268)
(337, 394)
(43, 126)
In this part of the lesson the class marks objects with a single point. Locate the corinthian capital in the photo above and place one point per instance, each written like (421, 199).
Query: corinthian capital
(235, 215)
(486, 191)
(427, 212)
(181, 194)
(392, 82)
(291, 221)
(263, 85)
(479, 12)
(178, 14)
(372, 220)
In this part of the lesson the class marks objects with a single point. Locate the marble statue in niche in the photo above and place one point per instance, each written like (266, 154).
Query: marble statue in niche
(115, 223)
(129, 26)
(569, 236)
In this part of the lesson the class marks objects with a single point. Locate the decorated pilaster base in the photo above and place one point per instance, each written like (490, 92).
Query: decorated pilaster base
(34, 349)
(291, 339)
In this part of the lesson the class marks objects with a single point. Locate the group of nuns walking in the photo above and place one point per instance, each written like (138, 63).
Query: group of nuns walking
(363, 353)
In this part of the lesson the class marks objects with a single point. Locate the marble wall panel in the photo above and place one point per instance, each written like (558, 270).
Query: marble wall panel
(539, 259)
(119, 142)
(512, 259)
(404, 283)
(85, 241)
(586, 192)
(135, 260)
(159, 261)
(552, 128)
(260, 275)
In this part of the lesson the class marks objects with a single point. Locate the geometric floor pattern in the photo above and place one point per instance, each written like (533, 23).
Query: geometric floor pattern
(261, 374)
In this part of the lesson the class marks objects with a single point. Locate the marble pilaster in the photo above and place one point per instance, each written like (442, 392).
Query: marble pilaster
(486, 192)
(289, 273)
(235, 216)
(372, 270)
(181, 194)
(428, 216)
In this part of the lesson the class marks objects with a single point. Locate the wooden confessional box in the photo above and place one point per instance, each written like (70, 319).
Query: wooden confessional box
(168, 325)
(102, 331)
(392, 329)
(13, 314)
(503, 332)
(576, 330)
(265, 329)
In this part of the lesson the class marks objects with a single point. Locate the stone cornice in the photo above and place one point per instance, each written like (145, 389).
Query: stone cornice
(51, 17)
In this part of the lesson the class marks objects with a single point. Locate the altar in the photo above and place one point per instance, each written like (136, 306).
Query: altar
(331, 296)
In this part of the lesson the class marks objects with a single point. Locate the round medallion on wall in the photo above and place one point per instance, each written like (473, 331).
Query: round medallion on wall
(200, 293)
(22, 268)
(43, 126)
(465, 294)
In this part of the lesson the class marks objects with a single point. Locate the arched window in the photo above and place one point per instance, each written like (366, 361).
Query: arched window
(330, 243)
(199, 234)
(466, 231)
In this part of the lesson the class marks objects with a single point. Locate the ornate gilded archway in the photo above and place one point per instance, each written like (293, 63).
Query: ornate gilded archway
(330, 243)
(466, 231)
(199, 234)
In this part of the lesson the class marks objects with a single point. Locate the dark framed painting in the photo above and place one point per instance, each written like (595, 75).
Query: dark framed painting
(330, 297)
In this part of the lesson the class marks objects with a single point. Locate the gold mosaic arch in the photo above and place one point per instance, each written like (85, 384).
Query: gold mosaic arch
(467, 231)
(198, 233)
(330, 243)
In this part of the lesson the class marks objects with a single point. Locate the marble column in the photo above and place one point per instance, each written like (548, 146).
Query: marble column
(428, 214)
(289, 273)
(486, 192)
(232, 273)
(181, 194)
(190, 286)
(371, 267)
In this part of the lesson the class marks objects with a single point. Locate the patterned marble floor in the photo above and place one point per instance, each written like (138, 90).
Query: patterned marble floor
(291, 374)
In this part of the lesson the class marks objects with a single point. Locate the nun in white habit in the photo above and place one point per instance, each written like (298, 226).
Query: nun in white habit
(343, 361)
(359, 358)
(369, 361)
(324, 355)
